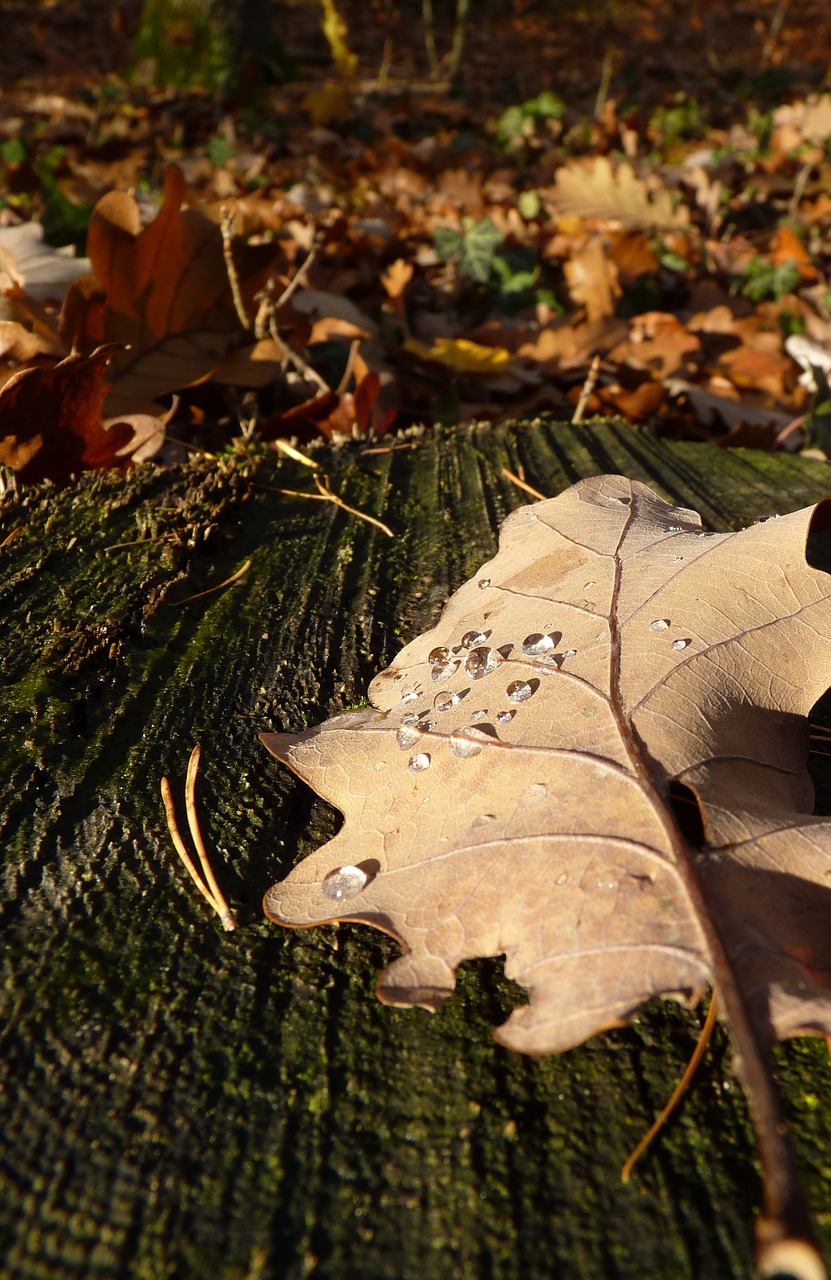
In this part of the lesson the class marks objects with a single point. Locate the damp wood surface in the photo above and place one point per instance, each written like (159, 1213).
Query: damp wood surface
(181, 1102)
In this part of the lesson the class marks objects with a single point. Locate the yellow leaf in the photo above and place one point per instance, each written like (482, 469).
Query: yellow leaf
(327, 104)
(337, 33)
(461, 355)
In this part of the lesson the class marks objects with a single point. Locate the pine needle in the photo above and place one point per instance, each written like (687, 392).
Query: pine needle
(689, 1071)
(210, 891)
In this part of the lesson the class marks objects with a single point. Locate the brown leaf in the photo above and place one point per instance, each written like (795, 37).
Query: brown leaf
(50, 420)
(593, 189)
(592, 280)
(510, 790)
(168, 298)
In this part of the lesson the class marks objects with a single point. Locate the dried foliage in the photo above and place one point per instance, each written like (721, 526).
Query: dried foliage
(596, 765)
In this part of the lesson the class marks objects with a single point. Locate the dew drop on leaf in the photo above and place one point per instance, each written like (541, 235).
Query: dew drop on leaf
(483, 583)
(680, 644)
(344, 882)
(444, 670)
(481, 661)
(468, 742)
(407, 737)
(660, 624)
(537, 643)
(519, 691)
(420, 762)
(502, 717)
(438, 656)
(473, 638)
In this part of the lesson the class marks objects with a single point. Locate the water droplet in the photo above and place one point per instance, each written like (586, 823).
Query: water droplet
(472, 638)
(674, 528)
(569, 653)
(443, 670)
(402, 675)
(344, 882)
(562, 879)
(680, 644)
(537, 643)
(519, 691)
(446, 701)
(764, 519)
(484, 819)
(660, 624)
(481, 661)
(483, 583)
(677, 559)
(407, 737)
(427, 725)
(419, 763)
(438, 656)
(587, 586)
(468, 742)
(410, 718)
(502, 717)
(476, 716)
(409, 695)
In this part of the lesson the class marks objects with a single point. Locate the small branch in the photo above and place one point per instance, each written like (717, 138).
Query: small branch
(227, 227)
(588, 388)
(522, 484)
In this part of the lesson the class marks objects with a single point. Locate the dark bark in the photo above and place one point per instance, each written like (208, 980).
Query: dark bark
(182, 1102)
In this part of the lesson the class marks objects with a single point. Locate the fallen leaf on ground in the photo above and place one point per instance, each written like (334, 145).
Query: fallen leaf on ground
(596, 190)
(592, 280)
(518, 783)
(50, 420)
(461, 355)
(168, 297)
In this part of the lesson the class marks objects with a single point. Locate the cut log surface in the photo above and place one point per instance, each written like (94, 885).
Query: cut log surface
(181, 1102)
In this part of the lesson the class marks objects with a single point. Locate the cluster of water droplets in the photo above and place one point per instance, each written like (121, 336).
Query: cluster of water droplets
(664, 624)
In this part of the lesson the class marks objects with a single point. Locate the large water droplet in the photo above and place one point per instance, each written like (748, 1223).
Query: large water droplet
(481, 661)
(537, 643)
(443, 670)
(519, 691)
(472, 638)
(660, 624)
(438, 656)
(680, 644)
(446, 701)
(483, 583)
(407, 737)
(344, 882)
(468, 742)
(419, 763)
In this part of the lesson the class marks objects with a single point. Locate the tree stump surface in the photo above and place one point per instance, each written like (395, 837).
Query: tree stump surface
(181, 1102)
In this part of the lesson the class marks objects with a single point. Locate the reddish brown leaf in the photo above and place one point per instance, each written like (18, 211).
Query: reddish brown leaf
(50, 420)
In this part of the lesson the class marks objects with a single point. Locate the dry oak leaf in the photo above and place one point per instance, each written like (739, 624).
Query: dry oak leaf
(511, 791)
(596, 190)
(168, 298)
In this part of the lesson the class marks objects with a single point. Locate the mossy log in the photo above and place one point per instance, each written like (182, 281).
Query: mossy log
(181, 1102)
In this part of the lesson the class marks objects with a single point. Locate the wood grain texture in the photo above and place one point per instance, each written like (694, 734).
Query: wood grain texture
(180, 1102)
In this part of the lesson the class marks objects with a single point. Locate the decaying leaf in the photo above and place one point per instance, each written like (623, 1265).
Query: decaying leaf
(514, 789)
